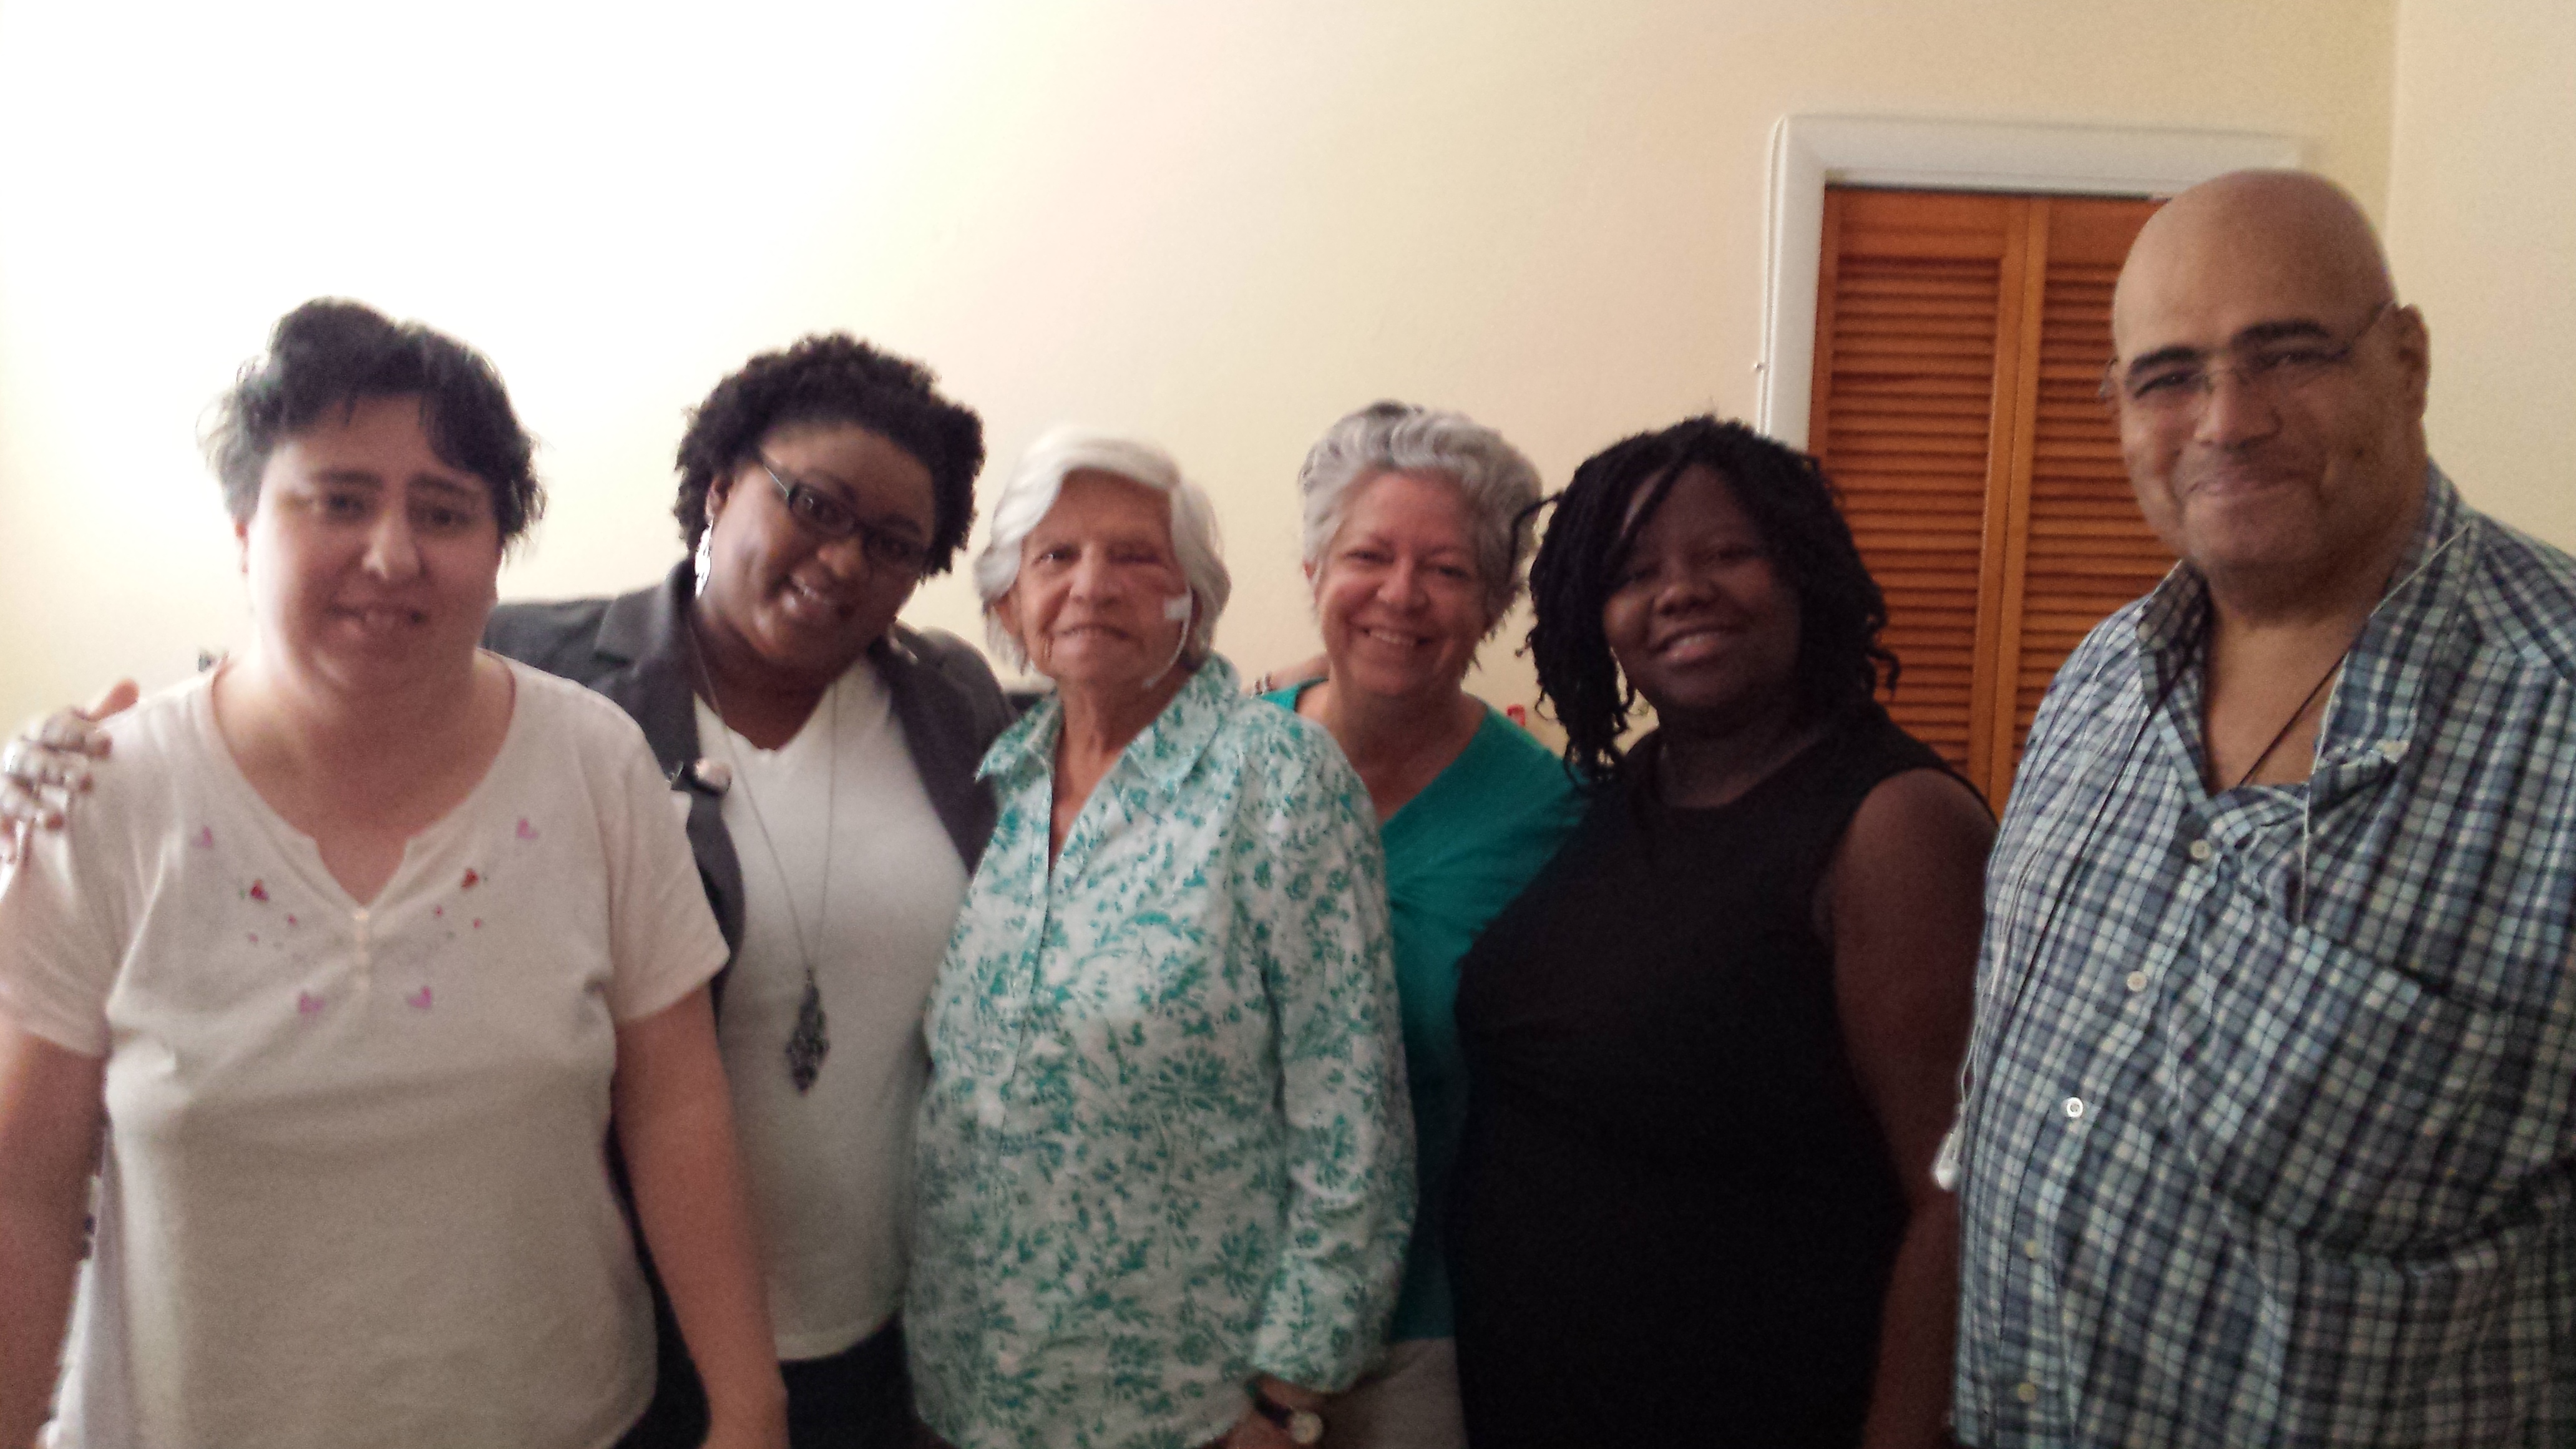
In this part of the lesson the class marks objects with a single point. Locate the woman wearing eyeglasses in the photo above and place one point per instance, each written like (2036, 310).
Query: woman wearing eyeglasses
(825, 756)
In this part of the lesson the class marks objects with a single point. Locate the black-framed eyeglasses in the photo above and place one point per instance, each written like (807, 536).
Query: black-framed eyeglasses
(832, 518)
(2180, 380)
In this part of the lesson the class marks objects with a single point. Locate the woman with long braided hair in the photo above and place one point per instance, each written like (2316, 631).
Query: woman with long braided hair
(1711, 1046)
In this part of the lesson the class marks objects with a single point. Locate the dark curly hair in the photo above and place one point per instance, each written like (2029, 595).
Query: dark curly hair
(1792, 502)
(832, 377)
(331, 353)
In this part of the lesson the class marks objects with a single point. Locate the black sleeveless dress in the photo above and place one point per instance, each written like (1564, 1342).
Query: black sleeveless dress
(1674, 1216)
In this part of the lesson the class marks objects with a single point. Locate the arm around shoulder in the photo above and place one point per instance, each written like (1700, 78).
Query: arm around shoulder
(49, 763)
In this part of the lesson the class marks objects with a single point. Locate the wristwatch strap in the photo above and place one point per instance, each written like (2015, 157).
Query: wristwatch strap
(1303, 1426)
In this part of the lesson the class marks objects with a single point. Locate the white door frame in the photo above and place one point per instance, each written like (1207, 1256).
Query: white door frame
(1807, 152)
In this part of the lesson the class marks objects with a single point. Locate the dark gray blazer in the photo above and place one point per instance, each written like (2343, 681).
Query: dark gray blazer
(637, 650)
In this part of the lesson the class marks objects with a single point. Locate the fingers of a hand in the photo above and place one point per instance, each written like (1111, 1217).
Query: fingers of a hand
(22, 809)
(1253, 1431)
(42, 771)
(66, 729)
(119, 698)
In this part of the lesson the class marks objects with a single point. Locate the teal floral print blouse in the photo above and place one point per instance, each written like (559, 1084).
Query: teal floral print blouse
(1166, 1145)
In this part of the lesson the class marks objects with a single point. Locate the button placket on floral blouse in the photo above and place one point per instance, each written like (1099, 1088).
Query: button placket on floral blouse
(993, 1107)
(1063, 876)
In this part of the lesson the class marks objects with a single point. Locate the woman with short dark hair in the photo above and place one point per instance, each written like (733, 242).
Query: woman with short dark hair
(1711, 1049)
(349, 963)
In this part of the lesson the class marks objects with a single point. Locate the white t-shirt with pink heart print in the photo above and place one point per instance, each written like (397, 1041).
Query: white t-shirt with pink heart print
(355, 1188)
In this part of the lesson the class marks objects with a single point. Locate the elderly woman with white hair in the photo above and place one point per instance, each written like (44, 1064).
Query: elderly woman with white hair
(1166, 1161)
(1416, 537)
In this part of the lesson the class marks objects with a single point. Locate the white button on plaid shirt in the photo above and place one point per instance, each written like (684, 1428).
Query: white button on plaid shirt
(2321, 1186)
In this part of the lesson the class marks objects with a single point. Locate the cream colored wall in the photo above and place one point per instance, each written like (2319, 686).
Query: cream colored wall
(1220, 225)
(2482, 235)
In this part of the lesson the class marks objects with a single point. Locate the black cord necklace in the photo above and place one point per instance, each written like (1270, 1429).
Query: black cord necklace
(2391, 592)
(2292, 722)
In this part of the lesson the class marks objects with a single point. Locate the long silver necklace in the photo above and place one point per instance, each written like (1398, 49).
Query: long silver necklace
(810, 1041)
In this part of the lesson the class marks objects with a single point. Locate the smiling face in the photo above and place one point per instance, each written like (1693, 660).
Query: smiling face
(372, 562)
(1095, 578)
(2289, 484)
(782, 600)
(1699, 617)
(1398, 595)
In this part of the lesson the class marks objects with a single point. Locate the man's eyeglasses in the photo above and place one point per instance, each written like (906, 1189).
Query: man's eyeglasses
(2178, 381)
(832, 518)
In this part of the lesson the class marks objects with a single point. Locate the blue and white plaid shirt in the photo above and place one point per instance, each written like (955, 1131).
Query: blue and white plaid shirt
(2268, 1139)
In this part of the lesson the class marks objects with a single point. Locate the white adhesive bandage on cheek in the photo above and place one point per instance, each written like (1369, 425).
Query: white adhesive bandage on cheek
(1177, 607)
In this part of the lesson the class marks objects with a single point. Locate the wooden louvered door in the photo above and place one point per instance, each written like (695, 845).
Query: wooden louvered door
(1960, 340)
(2085, 550)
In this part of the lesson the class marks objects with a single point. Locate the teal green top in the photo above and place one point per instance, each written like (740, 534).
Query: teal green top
(1455, 855)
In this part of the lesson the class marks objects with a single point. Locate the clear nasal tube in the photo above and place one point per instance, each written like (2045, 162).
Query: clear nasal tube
(1175, 609)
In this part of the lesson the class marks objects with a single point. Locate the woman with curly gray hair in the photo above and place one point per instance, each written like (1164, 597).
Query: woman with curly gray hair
(1416, 534)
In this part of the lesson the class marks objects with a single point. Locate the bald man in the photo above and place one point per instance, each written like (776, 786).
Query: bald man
(2267, 1133)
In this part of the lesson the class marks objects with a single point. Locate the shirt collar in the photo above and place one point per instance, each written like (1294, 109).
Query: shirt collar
(2412, 635)
(1164, 752)
(2171, 627)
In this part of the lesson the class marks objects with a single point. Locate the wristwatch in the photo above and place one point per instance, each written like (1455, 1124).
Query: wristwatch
(1303, 1426)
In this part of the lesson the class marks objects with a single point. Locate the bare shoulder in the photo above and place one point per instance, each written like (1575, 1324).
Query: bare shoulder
(1918, 812)
(1904, 908)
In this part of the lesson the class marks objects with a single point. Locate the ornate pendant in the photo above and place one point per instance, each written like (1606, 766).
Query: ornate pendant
(809, 1043)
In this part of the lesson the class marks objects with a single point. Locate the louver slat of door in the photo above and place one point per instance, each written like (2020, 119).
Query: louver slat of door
(1960, 339)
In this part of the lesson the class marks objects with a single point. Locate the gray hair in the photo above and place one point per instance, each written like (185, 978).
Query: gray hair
(1026, 500)
(1497, 481)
